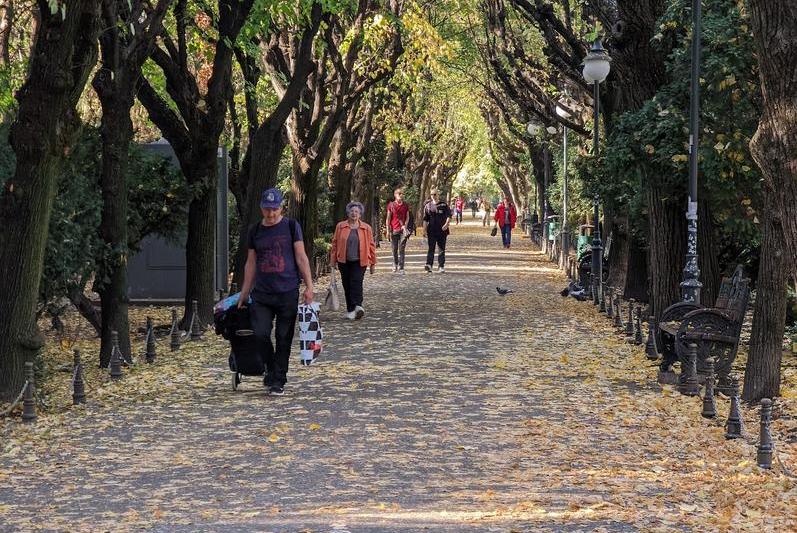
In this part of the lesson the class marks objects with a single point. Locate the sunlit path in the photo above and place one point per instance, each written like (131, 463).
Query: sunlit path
(447, 408)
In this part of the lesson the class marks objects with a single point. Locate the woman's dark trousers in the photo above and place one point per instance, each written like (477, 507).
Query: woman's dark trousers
(352, 275)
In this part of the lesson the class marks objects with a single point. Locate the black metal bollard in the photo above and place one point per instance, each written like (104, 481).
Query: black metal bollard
(709, 403)
(150, 353)
(116, 357)
(592, 287)
(638, 326)
(174, 334)
(688, 384)
(765, 445)
(601, 298)
(618, 319)
(651, 350)
(78, 386)
(196, 332)
(734, 425)
(629, 325)
(28, 402)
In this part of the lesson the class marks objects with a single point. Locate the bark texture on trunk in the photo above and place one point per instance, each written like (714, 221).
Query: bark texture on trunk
(667, 247)
(774, 145)
(774, 148)
(63, 56)
(116, 132)
(762, 373)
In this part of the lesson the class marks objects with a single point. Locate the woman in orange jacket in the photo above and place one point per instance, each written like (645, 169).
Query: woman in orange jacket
(353, 250)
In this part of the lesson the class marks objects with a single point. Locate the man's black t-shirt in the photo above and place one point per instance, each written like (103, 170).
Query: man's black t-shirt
(436, 216)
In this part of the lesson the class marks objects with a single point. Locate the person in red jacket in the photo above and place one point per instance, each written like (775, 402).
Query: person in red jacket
(506, 216)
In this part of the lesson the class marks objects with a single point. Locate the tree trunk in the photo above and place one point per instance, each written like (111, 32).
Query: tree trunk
(762, 373)
(86, 309)
(774, 145)
(340, 178)
(116, 132)
(63, 56)
(708, 262)
(304, 202)
(666, 248)
(266, 150)
(200, 250)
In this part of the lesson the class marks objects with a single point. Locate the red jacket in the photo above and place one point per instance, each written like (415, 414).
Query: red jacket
(499, 215)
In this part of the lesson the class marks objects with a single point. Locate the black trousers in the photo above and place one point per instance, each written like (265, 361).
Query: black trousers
(352, 275)
(399, 245)
(436, 240)
(263, 312)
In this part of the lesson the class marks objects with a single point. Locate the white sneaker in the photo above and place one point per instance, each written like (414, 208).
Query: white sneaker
(395, 267)
(351, 315)
(359, 312)
(441, 270)
(401, 271)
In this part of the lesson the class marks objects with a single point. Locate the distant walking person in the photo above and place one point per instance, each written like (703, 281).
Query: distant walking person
(353, 250)
(275, 260)
(398, 216)
(487, 207)
(436, 220)
(459, 206)
(472, 204)
(506, 216)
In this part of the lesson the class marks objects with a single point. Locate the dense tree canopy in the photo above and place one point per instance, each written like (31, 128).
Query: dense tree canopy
(337, 100)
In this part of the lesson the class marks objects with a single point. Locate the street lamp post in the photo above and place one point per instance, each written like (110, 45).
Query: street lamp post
(565, 114)
(597, 65)
(691, 286)
(534, 127)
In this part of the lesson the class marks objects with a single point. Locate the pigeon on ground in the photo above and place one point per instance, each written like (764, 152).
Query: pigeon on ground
(503, 292)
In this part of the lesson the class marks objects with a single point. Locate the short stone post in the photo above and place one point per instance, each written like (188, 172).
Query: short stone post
(196, 332)
(150, 353)
(651, 350)
(78, 386)
(174, 334)
(734, 425)
(709, 403)
(618, 319)
(28, 402)
(765, 445)
(116, 357)
(629, 325)
(638, 326)
(687, 384)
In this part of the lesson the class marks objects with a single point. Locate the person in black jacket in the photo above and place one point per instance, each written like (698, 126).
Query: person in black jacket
(436, 219)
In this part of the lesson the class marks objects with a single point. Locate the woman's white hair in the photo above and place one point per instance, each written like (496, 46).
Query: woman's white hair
(358, 205)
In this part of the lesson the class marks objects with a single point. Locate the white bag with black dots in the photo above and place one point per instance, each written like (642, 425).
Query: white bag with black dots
(311, 334)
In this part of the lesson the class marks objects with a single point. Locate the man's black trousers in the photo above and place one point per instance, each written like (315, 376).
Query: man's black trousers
(264, 312)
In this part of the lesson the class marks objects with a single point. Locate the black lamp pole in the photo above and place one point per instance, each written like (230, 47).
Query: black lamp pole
(597, 245)
(691, 286)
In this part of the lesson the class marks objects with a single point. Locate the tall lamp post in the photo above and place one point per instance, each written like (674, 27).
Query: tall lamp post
(597, 65)
(691, 286)
(534, 127)
(565, 114)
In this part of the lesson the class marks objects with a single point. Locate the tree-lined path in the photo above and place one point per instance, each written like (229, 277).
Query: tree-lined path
(447, 408)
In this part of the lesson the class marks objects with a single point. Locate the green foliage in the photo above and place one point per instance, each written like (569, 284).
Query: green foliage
(157, 199)
(652, 143)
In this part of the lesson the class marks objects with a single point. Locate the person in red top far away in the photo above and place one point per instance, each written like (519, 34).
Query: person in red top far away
(398, 216)
(506, 216)
(459, 206)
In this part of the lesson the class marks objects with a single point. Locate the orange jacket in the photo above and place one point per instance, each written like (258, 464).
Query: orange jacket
(367, 246)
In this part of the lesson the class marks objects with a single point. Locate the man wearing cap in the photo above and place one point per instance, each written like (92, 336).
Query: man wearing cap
(275, 262)
(436, 219)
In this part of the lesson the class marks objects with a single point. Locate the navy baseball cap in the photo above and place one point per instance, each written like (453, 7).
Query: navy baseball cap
(271, 199)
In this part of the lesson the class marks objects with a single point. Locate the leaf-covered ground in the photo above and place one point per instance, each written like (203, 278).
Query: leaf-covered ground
(447, 408)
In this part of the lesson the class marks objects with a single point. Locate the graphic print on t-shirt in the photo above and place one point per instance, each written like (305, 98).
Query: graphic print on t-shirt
(271, 254)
